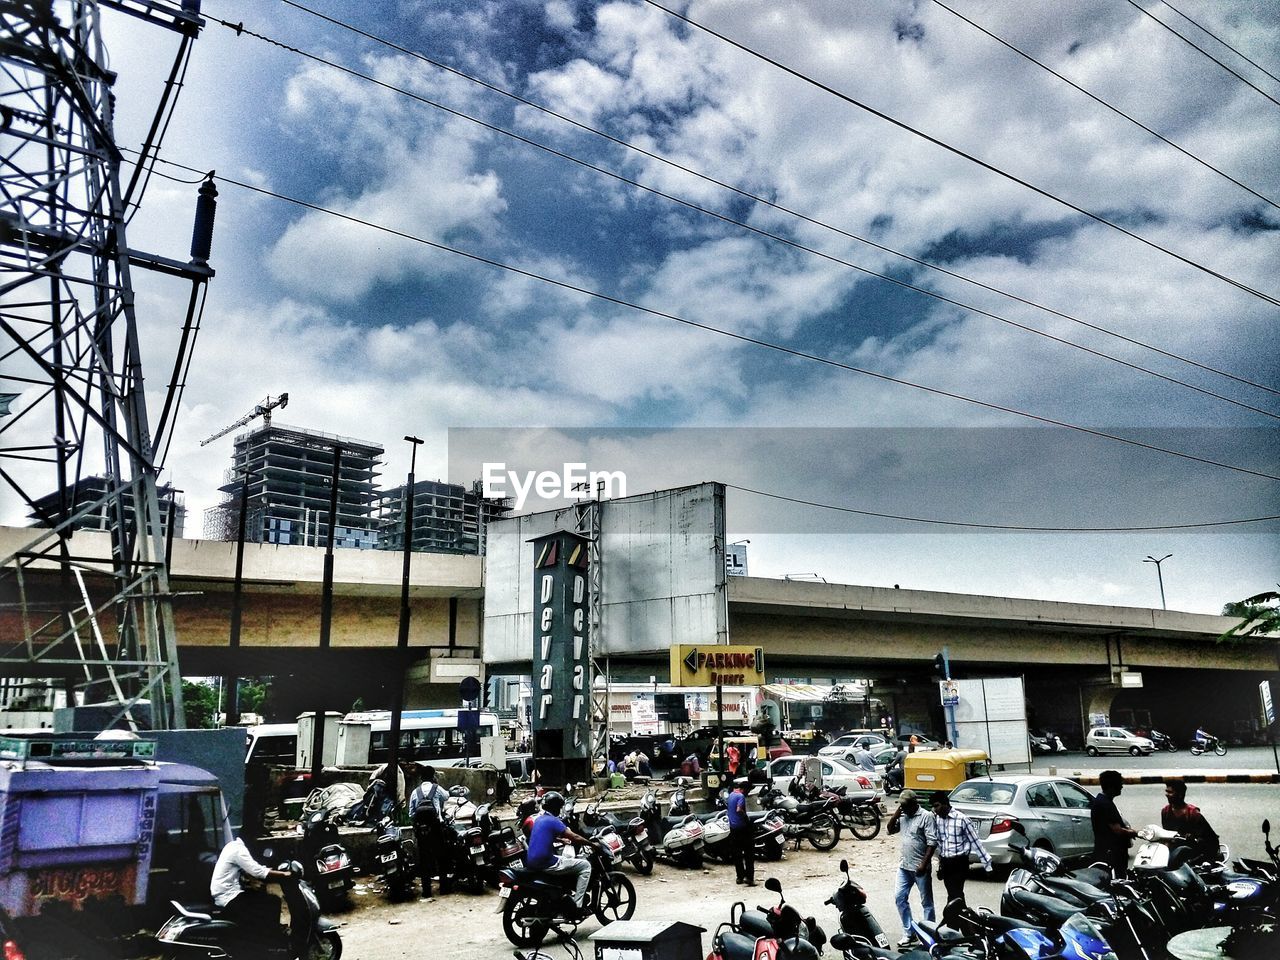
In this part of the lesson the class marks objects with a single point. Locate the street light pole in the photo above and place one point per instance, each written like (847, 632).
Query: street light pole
(402, 639)
(1159, 575)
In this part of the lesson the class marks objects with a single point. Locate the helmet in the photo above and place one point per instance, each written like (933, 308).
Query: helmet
(553, 803)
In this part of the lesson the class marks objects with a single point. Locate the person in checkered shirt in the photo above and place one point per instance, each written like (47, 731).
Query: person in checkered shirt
(957, 838)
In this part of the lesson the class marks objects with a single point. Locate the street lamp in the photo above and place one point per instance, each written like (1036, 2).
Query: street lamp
(1159, 575)
(402, 638)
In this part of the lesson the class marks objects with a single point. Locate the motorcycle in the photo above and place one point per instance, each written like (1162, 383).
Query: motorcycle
(1161, 741)
(1201, 745)
(191, 934)
(676, 839)
(1005, 938)
(326, 864)
(859, 815)
(534, 903)
(767, 829)
(635, 847)
(777, 933)
(396, 857)
(504, 846)
(810, 820)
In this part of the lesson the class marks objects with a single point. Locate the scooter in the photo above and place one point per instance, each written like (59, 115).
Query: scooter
(535, 903)
(676, 839)
(767, 825)
(396, 858)
(777, 933)
(504, 846)
(636, 848)
(326, 864)
(191, 934)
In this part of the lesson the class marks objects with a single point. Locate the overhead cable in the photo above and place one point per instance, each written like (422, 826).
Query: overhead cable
(1114, 109)
(1191, 43)
(973, 524)
(755, 198)
(753, 229)
(972, 158)
(729, 334)
(1205, 30)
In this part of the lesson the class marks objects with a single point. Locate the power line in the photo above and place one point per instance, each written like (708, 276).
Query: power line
(1205, 30)
(973, 524)
(240, 29)
(936, 141)
(729, 334)
(1114, 109)
(1209, 56)
(676, 165)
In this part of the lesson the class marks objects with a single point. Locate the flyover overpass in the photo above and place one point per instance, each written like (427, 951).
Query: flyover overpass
(1067, 652)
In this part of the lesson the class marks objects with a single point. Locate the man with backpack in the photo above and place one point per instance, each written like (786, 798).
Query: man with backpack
(426, 813)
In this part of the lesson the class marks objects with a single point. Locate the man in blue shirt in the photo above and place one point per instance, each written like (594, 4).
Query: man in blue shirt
(742, 839)
(547, 829)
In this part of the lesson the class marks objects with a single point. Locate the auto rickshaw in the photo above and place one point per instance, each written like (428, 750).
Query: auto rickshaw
(940, 771)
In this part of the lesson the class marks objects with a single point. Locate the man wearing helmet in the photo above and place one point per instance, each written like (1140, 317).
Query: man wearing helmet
(547, 829)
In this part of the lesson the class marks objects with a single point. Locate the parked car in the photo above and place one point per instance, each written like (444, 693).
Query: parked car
(1053, 811)
(850, 743)
(858, 784)
(1116, 740)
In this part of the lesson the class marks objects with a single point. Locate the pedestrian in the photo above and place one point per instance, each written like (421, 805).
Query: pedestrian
(957, 838)
(918, 842)
(741, 834)
(913, 743)
(1111, 835)
(642, 764)
(426, 813)
(732, 753)
(1187, 820)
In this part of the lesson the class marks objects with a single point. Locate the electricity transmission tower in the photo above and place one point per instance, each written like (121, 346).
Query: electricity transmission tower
(70, 361)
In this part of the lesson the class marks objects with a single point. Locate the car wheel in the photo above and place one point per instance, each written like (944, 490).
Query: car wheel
(1135, 751)
(1091, 750)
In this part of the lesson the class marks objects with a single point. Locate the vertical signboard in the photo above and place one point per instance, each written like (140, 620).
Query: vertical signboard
(735, 560)
(561, 664)
(991, 714)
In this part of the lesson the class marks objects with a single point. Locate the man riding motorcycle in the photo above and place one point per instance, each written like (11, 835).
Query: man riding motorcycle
(547, 829)
(253, 910)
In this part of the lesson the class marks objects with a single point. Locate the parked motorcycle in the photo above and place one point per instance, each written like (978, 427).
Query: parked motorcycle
(810, 820)
(504, 846)
(767, 829)
(859, 815)
(635, 847)
(190, 934)
(534, 903)
(326, 864)
(396, 858)
(677, 839)
(777, 933)
(1201, 745)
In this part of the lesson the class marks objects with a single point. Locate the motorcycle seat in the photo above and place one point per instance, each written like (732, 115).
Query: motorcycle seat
(862, 947)
(998, 924)
(737, 946)
(1073, 889)
(526, 875)
(940, 933)
(797, 948)
(1051, 906)
(755, 924)
(196, 911)
(809, 806)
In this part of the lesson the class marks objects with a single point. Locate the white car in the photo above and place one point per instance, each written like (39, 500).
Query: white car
(850, 743)
(1116, 740)
(835, 773)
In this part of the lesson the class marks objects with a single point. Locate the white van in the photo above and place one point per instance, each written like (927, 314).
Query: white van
(272, 743)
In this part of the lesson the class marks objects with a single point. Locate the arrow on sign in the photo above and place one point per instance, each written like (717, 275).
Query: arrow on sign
(691, 659)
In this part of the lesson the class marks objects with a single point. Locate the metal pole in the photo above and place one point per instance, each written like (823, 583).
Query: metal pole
(952, 729)
(1159, 575)
(326, 615)
(720, 728)
(402, 639)
(231, 680)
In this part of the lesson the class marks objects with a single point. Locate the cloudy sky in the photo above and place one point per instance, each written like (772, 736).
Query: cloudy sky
(774, 195)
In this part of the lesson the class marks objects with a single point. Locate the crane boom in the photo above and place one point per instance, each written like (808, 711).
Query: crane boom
(262, 410)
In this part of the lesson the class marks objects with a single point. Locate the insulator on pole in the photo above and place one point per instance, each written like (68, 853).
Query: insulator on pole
(202, 234)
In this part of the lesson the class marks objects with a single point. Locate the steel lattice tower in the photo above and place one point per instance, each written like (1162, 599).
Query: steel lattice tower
(71, 363)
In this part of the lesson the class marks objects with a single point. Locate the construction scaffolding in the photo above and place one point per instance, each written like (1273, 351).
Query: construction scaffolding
(72, 362)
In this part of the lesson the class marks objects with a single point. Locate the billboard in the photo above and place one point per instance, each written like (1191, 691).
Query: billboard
(705, 665)
(991, 715)
(662, 574)
(561, 666)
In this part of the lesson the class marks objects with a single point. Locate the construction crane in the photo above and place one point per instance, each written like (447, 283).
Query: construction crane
(262, 410)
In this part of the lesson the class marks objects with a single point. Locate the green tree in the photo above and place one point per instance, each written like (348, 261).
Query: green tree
(201, 703)
(1259, 616)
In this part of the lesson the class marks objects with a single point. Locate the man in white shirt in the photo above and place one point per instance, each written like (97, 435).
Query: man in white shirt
(250, 908)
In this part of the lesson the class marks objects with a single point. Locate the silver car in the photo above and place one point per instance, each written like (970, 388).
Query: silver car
(1053, 811)
(1116, 740)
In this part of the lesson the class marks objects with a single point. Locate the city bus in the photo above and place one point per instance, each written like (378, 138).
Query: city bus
(426, 736)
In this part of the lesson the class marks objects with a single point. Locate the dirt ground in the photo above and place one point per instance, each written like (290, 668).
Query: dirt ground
(466, 927)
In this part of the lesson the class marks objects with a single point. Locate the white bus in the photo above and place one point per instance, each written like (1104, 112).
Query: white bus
(426, 736)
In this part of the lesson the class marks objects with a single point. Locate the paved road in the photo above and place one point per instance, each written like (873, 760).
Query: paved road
(1259, 759)
(466, 928)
